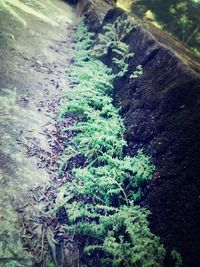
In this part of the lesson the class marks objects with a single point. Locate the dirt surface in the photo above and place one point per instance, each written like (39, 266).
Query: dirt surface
(33, 57)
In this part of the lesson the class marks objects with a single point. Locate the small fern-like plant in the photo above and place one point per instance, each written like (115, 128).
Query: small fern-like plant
(112, 40)
(100, 201)
(137, 73)
(176, 256)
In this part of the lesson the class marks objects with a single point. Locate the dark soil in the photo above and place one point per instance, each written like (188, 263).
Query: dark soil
(162, 115)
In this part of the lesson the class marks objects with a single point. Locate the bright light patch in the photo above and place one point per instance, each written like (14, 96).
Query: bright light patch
(125, 4)
(11, 5)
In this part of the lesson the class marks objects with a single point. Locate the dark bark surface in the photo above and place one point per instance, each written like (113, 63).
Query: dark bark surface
(161, 111)
(94, 12)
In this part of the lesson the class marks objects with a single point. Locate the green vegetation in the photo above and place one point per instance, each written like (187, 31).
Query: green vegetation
(181, 18)
(101, 200)
(176, 256)
(112, 41)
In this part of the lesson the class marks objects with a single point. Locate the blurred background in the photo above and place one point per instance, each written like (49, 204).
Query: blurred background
(179, 17)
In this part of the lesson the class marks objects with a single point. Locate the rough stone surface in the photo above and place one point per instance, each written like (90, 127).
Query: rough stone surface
(161, 111)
